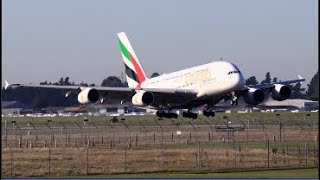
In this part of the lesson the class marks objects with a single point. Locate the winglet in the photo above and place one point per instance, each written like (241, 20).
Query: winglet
(6, 84)
(301, 78)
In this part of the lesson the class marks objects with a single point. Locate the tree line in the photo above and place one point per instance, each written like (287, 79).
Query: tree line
(43, 97)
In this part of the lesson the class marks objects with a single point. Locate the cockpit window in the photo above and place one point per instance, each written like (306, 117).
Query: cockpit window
(231, 72)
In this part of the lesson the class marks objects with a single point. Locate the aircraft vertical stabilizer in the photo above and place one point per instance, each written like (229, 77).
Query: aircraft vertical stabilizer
(134, 72)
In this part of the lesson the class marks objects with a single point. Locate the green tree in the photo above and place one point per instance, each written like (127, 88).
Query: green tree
(44, 83)
(267, 79)
(313, 87)
(112, 81)
(251, 81)
(40, 97)
(66, 81)
(275, 79)
(61, 81)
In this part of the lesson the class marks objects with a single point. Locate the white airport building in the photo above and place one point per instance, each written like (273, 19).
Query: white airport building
(291, 104)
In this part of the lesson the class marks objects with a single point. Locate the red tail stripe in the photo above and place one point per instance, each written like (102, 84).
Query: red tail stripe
(139, 72)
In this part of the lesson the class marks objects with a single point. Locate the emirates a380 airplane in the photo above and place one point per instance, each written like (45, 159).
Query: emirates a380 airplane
(203, 85)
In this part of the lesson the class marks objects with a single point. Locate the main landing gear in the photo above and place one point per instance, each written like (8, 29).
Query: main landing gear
(167, 114)
(208, 113)
(190, 115)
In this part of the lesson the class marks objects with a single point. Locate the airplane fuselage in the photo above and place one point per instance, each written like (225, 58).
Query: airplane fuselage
(209, 80)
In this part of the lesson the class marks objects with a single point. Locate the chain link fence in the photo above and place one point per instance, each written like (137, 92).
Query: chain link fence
(84, 147)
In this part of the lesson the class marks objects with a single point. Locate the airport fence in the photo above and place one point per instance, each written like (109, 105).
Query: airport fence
(74, 148)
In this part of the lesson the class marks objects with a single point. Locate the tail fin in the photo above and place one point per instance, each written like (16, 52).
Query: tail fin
(134, 72)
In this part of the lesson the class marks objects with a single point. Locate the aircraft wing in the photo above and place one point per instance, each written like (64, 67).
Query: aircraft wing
(99, 88)
(272, 85)
(121, 93)
(103, 88)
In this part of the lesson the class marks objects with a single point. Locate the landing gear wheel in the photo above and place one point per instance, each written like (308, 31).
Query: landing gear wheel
(161, 114)
(190, 115)
(209, 113)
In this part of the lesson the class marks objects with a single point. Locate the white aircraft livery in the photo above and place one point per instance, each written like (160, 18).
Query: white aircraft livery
(203, 85)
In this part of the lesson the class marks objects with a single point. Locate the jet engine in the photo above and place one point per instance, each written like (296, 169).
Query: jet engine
(143, 98)
(280, 92)
(254, 96)
(88, 95)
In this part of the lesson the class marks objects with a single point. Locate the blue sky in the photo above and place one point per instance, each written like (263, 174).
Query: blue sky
(48, 39)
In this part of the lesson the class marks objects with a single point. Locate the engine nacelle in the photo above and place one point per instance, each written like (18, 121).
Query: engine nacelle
(88, 95)
(280, 92)
(254, 96)
(142, 98)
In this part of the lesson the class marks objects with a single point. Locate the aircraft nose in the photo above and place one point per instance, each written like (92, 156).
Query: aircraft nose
(239, 81)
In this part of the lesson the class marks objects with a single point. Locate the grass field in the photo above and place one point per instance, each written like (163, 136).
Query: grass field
(286, 117)
(144, 146)
(285, 173)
